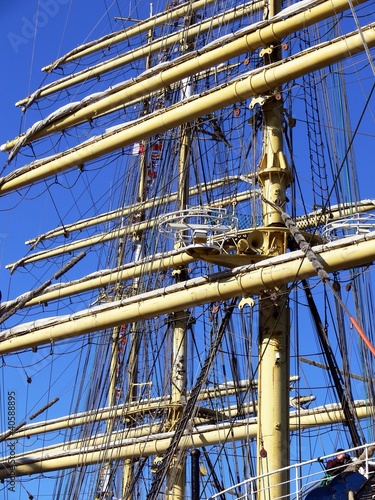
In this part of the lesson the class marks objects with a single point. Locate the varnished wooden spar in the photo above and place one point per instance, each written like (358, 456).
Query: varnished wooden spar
(256, 83)
(251, 39)
(153, 47)
(270, 273)
(136, 446)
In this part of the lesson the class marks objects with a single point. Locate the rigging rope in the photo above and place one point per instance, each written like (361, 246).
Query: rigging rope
(19, 303)
(321, 272)
(343, 392)
(365, 45)
(190, 406)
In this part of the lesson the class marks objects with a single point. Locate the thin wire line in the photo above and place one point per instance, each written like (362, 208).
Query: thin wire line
(367, 50)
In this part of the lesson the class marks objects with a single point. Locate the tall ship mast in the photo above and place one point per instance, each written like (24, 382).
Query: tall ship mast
(192, 314)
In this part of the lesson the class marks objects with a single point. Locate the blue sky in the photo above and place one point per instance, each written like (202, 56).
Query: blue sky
(28, 41)
(32, 34)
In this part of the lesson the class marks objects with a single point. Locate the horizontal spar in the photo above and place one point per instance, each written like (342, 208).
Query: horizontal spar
(275, 272)
(161, 77)
(120, 232)
(104, 278)
(123, 410)
(108, 41)
(256, 82)
(157, 444)
(152, 47)
(151, 203)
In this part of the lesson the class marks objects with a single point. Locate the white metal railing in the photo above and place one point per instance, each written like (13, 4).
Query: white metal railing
(302, 479)
(198, 224)
(349, 226)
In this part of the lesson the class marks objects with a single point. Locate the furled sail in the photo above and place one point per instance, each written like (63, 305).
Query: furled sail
(195, 191)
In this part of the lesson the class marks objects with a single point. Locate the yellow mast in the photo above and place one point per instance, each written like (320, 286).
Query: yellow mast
(273, 427)
(275, 176)
(176, 475)
(132, 367)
